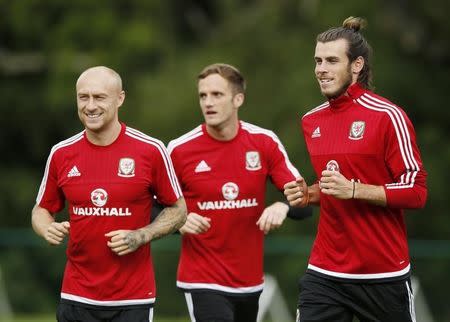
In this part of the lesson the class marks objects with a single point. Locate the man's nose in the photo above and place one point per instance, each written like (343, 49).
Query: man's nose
(90, 103)
(209, 101)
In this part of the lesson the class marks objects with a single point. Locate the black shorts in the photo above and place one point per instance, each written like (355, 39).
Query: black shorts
(211, 306)
(69, 312)
(326, 300)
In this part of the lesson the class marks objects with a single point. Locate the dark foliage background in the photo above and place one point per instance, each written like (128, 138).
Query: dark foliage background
(159, 47)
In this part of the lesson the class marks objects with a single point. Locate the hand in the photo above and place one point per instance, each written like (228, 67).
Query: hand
(195, 224)
(296, 193)
(333, 183)
(125, 241)
(56, 232)
(272, 217)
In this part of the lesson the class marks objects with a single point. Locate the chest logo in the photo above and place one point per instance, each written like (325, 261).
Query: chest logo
(332, 165)
(202, 167)
(230, 191)
(73, 172)
(357, 130)
(252, 161)
(316, 132)
(99, 197)
(126, 167)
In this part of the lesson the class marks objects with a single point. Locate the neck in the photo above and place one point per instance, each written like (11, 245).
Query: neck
(104, 137)
(225, 133)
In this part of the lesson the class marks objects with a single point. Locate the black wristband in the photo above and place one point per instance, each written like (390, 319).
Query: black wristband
(298, 213)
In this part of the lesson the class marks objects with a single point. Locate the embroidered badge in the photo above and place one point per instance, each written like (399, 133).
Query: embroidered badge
(252, 161)
(230, 191)
(357, 130)
(332, 165)
(99, 197)
(126, 167)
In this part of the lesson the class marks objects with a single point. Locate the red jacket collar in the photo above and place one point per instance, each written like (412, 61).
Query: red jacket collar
(353, 92)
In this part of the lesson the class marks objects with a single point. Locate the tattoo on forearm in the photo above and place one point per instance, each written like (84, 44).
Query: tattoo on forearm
(134, 240)
(168, 221)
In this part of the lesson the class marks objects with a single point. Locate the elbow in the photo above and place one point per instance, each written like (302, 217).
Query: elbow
(421, 200)
(412, 199)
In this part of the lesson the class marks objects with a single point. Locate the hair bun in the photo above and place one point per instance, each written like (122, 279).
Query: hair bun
(354, 23)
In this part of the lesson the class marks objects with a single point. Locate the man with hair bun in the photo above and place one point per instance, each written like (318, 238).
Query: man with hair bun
(364, 152)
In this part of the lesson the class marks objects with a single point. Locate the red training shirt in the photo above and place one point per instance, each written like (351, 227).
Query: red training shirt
(107, 188)
(226, 181)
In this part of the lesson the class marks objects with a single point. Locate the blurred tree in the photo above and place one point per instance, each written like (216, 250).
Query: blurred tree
(159, 47)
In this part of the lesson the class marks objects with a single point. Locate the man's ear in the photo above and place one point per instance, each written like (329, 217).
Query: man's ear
(238, 99)
(357, 65)
(121, 98)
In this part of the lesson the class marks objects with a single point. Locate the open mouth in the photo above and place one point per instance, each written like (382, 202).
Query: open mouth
(325, 80)
(93, 115)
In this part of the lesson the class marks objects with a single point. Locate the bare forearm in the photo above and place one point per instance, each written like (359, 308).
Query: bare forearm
(370, 193)
(169, 220)
(40, 220)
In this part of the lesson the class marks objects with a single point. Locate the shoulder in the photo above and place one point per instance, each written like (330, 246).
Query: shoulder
(185, 138)
(379, 104)
(67, 144)
(317, 110)
(144, 140)
(257, 130)
(262, 137)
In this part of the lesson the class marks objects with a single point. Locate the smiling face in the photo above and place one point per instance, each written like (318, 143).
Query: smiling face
(218, 102)
(99, 96)
(334, 72)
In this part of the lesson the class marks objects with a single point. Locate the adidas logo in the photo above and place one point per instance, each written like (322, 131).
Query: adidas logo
(202, 167)
(316, 133)
(74, 172)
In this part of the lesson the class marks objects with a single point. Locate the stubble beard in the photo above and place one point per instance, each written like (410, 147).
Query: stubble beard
(343, 88)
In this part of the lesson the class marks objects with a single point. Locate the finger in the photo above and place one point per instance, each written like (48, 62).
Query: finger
(125, 252)
(290, 185)
(119, 249)
(200, 224)
(206, 222)
(291, 192)
(299, 181)
(116, 243)
(190, 228)
(113, 233)
(295, 196)
(262, 221)
(53, 230)
(268, 227)
(327, 191)
(295, 202)
(327, 179)
(59, 229)
(53, 240)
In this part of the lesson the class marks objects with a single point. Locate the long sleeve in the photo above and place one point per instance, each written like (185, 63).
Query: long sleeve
(403, 159)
